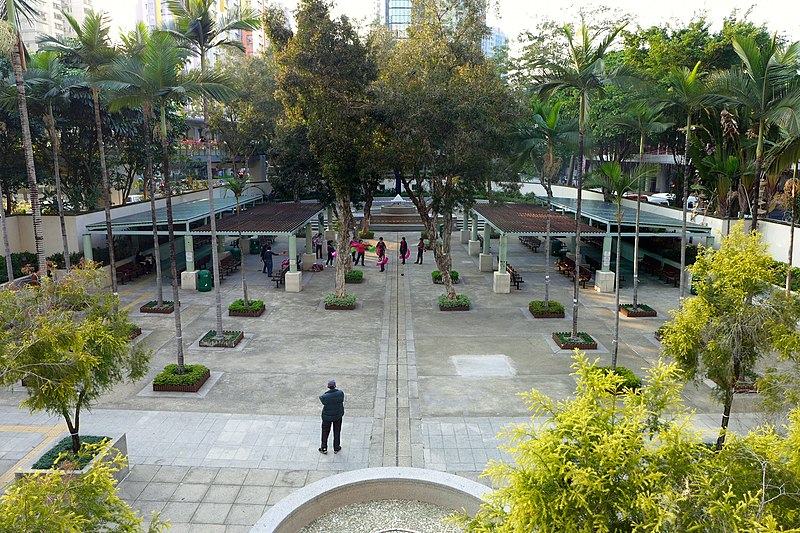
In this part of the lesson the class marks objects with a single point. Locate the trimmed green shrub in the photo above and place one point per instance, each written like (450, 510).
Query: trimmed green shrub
(437, 276)
(369, 234)
(537, 306)
(566, 337)
(354, 275)
(659, 333)
(18, 261)
(48, 460)
(639, 307)
(779, 270)
(348, 300)
(630, 381)
(238, 305)
(58, 259)
(461, 300)
(169, 375)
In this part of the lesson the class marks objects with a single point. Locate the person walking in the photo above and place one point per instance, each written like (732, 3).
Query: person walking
(420, 249)
(331, 251)
(332, 412)
(403, 249)
(380, 250)
(353, 249)
(360, 249)
(266, 257)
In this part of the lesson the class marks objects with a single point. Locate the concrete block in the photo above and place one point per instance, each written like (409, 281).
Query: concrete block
(502, 283)
(308, 260)
(604, 281)
(464, 236)
(189, 280)
(474, 247)
(486, 262)
(294, 281)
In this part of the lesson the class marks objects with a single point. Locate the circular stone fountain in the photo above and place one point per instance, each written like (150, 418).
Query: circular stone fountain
(398, 206)
(304, 506)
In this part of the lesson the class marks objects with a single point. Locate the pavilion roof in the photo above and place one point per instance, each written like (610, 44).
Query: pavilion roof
(531, 220)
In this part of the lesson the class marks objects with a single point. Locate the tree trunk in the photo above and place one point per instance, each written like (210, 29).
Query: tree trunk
(50, 121)
(615, 350)
(6, 247)
(38, 237)
(441, 254)
(244, 273)
(369, 197)
(726, 417)
(682, 204)
(636, 228)
(757, 178)
(343, 259)
(106, 188)
(791, 232)
(151, 183)
(547, 257)
(571, 170)
(576, 285)
(171, 232)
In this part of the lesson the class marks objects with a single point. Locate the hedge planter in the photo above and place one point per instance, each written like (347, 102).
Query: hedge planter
(152, 307)
(461, 303)
(747, 384)
(346, 303)
(640, 311)
(354, 276)
(39, 467)
(237, 308)
(436, 276)
(229, 339)
(170, 381)
(538, 310)
(135, 331)
(565, 342)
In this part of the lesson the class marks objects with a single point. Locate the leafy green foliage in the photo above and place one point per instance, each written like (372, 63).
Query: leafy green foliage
(540, 306)
(629, 382)
(437, 276)
(62, 451)
(170, 376)
(461, 300)
(18, 261)
(348, 300)
(354, 275)
(567, 337)
(779, 274)
(58, 501)
(366, 234)
(238, 305)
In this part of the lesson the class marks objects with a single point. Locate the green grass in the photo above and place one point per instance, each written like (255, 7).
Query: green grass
(461, 300)
(48, 460)
(437, 276)
(348, 300)
(170, 376)
(354, 275)
(537, 306)
(238, 305)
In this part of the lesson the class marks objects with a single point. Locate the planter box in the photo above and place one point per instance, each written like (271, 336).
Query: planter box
(573, 345)
(334, 307)
(183, 388)
(455, 282)
(639, 313)
(537, 314)
(135, 332)
(247, 313)
(354, 280)
(149, 307)
(458, 308)
(230, 340)
(119, 443)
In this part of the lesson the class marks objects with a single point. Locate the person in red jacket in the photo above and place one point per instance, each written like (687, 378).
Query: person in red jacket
(360, 249)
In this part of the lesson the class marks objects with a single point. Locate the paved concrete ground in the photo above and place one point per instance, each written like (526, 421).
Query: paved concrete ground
(424, 388)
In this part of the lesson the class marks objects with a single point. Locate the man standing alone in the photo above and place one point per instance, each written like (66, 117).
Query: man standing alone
(266, 257)
(332, 413)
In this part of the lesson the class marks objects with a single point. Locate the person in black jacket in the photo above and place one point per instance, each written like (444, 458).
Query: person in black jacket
(332, 413)
(403, 250)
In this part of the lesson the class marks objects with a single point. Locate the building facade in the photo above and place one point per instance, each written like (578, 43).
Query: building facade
(51, 21)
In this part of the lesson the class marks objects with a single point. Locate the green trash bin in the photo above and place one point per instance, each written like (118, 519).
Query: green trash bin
(236, 253)
(204, 280)
(255, 246)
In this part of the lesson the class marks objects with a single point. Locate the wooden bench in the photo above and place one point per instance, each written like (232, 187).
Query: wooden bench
(565, 265)
(516, 277)
(531, 242)
(651, 265)
(279, 277)
(670, 274)
(584, 275)
(230, 264)
(129, 271)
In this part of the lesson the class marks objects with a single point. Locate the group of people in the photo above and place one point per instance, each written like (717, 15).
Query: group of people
(358, 248)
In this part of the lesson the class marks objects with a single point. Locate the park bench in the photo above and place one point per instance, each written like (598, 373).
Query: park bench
(279, 277)
(651, 265)
(565, 265)
(584, 275)
(531, 242)
(670, 274)
(516, 277)
(129, 271)
(230, 264)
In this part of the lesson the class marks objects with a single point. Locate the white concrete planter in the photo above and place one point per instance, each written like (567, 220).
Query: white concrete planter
(119, 443)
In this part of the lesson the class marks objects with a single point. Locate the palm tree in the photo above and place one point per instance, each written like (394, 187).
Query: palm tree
(610, 177)
(643, 120)
(154, 80)
(584, 73)
(237, 185)
(52, 85)
(768, 87)
(6, 247)
(92, 50)
(549, 130)
(686, 93)
(199, 31)
(17, 57)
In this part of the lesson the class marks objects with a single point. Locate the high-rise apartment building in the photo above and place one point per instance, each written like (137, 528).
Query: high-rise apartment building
(493, 42)
(154, 13)
(396, 15)
(50, 21)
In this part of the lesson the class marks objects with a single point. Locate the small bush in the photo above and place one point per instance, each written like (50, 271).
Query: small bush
(629, 380)
(169, 375)
(64, 446)
(566, 336)
(354, 275)
(18, 262)
(537, 306)
(659, 333)
(347, 300)
(238, 305)
(366, 234)
(461, 300)
(437, 276)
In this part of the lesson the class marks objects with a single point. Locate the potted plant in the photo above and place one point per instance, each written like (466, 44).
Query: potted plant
(437, 277)
(583, 341)
(238, 308)
(345, 303)
(354, 276)
(637, 311)
(460, 303)
(546, 309)
(170, 381)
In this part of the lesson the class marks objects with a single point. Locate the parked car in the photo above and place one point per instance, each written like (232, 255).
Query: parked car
(652, 199)
(668, 198)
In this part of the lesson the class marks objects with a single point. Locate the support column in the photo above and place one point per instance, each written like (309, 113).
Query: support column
(604, 278)
(465, 228)
(294, 279)
(308, 257)
(485, 259)
(188, 243)
(474, 228)
(502, 279)
(473, 244)
(487, 235)
(330, 234)
(87, 247)
(220, 243)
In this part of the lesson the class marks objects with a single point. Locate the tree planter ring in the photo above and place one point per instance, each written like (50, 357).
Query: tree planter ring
(641, 312)
(135, 332)
(183, 388)
(537, 314)
(260, 312)
(458, 308)
(441, 282)
(569, 345)
(230, 340)
(334, 307)
(119, 443)
(150, 307)
(354, 281)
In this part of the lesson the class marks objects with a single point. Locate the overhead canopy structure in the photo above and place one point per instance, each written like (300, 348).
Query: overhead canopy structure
(266, 219)
(521, 220)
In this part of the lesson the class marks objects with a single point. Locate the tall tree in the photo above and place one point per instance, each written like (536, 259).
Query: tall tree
(237, 184)
(91, 49)
(198, 29)
(585, 74)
